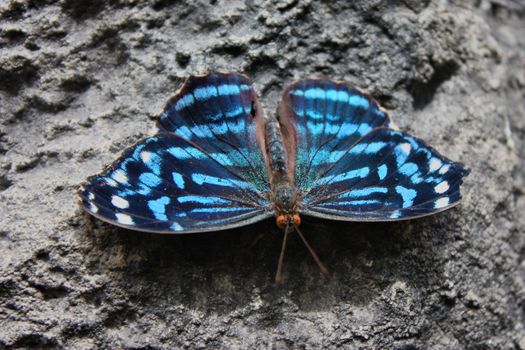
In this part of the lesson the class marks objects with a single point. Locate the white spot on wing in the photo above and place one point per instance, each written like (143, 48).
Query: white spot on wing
(119, 202)
(145, 156)
(406, 147)
(120, 176)
(434, 164)
(395, 214)
(441, 202)
(442, 187)
(444, 169)
(124, 219)
(110, 182)
(93, 207)
(176, 227)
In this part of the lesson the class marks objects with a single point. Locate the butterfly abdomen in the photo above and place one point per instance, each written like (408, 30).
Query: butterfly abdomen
(284, 193)
(275, 148)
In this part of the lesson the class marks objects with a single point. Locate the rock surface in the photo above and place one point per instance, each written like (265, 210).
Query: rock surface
(80, 80)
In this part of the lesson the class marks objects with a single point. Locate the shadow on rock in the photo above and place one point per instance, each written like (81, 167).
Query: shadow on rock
(219, 272)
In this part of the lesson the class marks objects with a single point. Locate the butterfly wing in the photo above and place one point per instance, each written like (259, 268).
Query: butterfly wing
(362, 170)
(387, 175)
(320, 120)
(167, 184)
(221, 114)
(202, 172)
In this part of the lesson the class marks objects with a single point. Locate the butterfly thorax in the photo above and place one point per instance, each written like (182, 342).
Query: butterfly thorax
(285, 203)
(284, 193)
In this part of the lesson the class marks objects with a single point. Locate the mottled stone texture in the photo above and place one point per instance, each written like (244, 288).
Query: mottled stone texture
(80, 80)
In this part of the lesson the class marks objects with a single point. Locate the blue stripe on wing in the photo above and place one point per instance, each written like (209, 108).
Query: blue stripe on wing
(214, 112)
(324, 118)
(387, 175)
(167, 184)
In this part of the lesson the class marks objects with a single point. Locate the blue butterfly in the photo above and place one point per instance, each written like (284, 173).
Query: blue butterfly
(218, 162)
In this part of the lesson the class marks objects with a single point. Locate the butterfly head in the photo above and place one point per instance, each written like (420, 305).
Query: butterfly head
(284, 220)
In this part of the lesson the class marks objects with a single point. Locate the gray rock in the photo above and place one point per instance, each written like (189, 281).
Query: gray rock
(82, 80)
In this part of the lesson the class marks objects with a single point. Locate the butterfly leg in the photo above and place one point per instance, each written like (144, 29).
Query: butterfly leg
(279, 273)
(318, 261)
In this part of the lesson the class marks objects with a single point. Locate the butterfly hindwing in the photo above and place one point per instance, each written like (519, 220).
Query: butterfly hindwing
(219, 113)
(321, 119)
(167, 184)
(387, 175)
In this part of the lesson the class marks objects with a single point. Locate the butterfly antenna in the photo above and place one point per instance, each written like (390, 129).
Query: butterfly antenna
(323, 268)
(279, 274)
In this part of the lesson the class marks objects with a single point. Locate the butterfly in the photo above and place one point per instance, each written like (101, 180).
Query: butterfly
(218, 162)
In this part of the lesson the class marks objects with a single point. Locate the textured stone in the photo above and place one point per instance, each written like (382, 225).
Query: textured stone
(82, 80)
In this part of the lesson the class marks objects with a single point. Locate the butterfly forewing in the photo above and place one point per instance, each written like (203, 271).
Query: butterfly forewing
(218, 113)
(321, 119)
(204, 171)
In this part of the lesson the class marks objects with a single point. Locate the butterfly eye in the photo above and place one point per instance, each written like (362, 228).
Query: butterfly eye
(296, 219)
(282, 221)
